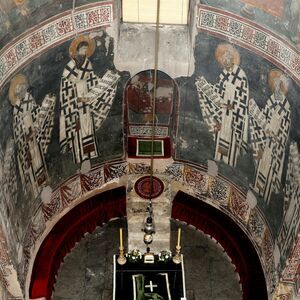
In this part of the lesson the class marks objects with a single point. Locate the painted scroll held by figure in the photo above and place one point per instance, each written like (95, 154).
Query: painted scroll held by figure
(269, 130)
(85, 101)
(224, 105)
(32, 126)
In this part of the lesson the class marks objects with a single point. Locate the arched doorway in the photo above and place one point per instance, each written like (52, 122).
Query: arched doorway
(87, 271)
(232, 238)
(85, 217)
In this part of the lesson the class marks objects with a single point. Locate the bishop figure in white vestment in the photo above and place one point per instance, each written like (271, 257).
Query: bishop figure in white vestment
(85, 101)
(269, 128)
(224, 106)
(32, 125)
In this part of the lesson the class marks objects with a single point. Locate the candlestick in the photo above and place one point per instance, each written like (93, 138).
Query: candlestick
(121, 238)
(178, 239)
(177, 256)
(121, 259)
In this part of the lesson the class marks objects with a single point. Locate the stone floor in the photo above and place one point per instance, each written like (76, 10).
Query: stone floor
(86, 273)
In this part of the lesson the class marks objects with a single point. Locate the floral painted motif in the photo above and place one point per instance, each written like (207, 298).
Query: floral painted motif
(219, 191)
(239, 206)
(256, 226)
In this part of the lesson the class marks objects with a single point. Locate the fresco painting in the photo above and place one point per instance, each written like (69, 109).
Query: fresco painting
(291, 220)
(294, 24)
(245, 124)
(279, 16)
(274, 7)
(237, 109)
(32, 126)
(140, 93)
(141, 114)
(270, 128)
(57, 116)
(224, 106)
(85, 101)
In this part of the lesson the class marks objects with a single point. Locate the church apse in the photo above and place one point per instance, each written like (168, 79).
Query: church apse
(69, 119)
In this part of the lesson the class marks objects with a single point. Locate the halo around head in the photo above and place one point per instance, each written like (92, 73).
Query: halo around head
(17, 80)
(19, 2)
(274, 76)
(222, 48)
(77, 41)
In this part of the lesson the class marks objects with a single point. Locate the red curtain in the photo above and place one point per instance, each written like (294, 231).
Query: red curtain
(67, 232)
(234, 241)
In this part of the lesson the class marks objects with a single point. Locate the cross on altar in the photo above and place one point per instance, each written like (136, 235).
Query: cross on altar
(140, 280)
(151, 286)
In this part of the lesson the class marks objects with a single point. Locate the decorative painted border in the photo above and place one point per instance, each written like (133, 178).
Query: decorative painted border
(139, 130)
(194, 180)
(53, 31)
(291, 270)
(8, 273)
(251, 36)
(223, 194)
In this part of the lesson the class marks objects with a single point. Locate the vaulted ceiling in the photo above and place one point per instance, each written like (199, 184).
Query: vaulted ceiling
(76, 118)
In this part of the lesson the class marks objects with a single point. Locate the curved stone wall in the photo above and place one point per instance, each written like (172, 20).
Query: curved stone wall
(193, 180)
(50, 161)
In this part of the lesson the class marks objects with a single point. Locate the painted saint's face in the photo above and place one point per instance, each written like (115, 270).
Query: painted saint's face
(20, 90)
(228, 60)
(82, 50)
(281, 85)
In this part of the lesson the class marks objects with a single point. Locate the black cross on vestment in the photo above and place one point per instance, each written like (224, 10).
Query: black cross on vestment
(91, 79)
(242, 88)
(236, 76)
(66, 87)
(286, 118)
(238, 116)
(282, 106)
(19, 109)
(102, 103)
(84, 107)
(84, 69)
(228, 107)
(71, 71)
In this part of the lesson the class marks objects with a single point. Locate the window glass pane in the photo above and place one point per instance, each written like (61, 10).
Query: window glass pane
(144, 148)
(144, 11)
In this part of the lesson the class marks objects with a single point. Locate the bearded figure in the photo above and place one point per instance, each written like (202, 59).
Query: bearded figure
(224, 105)
(85, 101)
(269, 130)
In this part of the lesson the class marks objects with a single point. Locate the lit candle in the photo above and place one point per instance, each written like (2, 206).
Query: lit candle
(178, 239)
(121, 238)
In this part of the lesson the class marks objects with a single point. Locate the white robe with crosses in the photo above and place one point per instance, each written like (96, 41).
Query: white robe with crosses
(79, 119)
(269, 131)
(225, 106)
(32, 125)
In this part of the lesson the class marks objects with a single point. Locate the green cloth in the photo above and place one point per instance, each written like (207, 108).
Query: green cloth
(140, 289)
(152, 296)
